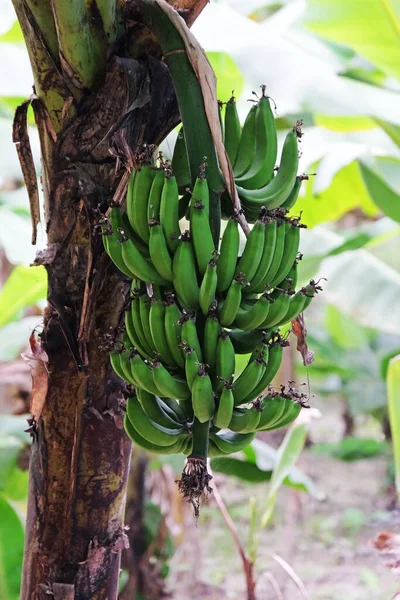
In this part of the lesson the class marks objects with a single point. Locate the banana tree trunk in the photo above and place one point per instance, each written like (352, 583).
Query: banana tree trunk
(92, 110)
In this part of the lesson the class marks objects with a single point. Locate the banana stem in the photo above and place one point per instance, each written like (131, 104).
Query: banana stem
(82, 44)
(111, 15)
(199, 141)
(200, 439)
(195, 476)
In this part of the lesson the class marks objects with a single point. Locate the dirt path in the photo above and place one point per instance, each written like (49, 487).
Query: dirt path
(327, 543)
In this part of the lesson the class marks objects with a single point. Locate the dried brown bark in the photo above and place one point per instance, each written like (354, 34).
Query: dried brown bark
(80, 453)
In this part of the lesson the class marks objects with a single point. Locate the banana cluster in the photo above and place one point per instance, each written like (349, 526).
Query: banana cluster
(252, 151)
(194, 307)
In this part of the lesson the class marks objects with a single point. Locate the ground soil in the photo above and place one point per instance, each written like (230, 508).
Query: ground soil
(328, 543)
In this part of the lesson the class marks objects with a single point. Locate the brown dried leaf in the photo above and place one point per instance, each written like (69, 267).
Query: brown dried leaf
(208, 84)
(21, 140)
(300, 331)
(37, 359)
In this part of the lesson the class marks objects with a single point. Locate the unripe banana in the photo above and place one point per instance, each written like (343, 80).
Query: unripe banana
(272, 410)
(267, 255)
(145, 444)
(225, 361)
(212, 330)
(201, 235)
(184, 274)
(137, 204)
(252, 253)
(153, 407)
(228, 309)
(148, 429)
(224, 412)
(208, 287)
(203, 396)
(159, 252)
(192, 364)
(229, 442)
(180, 163)
(290, 250)
(169, 212)
(157, 330)
(273, 364)
(232, 130)
(248, 380)
(266, 146)
(173, 329)
(169, 386)
(229, 249)
(246, 150)
(189, 334)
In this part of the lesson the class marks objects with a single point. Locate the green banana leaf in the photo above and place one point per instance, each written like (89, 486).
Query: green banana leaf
(379, 188)
(393, 388)
(11, 551)
(25, 286)
(361, 25)
(392, 130)
(288, 453)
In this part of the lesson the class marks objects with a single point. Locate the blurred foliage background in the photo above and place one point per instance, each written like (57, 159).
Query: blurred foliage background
(335, 64)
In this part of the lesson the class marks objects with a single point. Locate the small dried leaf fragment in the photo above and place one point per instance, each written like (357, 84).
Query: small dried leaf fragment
(37, 359)
(300, 331)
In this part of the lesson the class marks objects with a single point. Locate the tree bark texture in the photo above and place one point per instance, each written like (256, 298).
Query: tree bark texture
(80, 453)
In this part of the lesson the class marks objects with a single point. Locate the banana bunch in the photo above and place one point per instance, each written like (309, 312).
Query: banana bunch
(252, 151)
(192, 308)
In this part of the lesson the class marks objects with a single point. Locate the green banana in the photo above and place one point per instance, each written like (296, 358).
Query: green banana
(248, 379)
(229, 442)
(169, 212)
(299, 302)
(144, 311)
(262, 167)
(189, 334)
(203, 396)
(159, 252)
(267, 256)
(142, 373)
(252, 253)
(277, 191)
(201, 235)
(272, 410)
(180, 163)
(139, 325)
(137, 204)
(112, 239)
(200, 192)
(225, 361)
(276, 259)
(169, 386)
(278, 309)
(246, 150)
(153, 407)
(290, 250)
(153, 208)
(145, 444)
(244, 420)
(139, 265)
(115, 360)
(228, 252)
(244, 342)
(134, 338)
(228, 309)
(290, 413)
(294, 194)
(208, 287)
(212, 330)
(232, 130)
(157, 330)
(273, 364)
(192, 364)
(149, 429)
(173, 329)
(248, 319)
(223, 415)
(184, 273)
